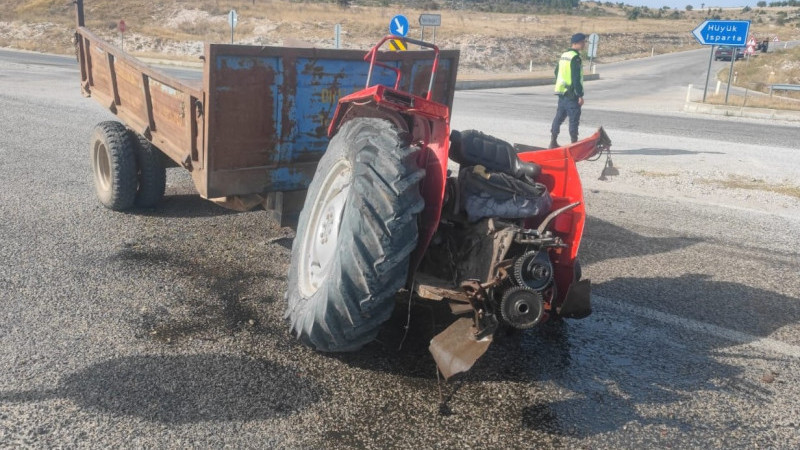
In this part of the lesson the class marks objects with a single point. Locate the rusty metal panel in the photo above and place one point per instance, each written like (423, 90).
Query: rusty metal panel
(269, 109)
(245, 108)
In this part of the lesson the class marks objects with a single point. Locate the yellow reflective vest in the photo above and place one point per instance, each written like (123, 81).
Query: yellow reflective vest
(564, 72)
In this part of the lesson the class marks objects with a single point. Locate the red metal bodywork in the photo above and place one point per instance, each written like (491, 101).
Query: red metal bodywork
(428, 125)
(560, 175)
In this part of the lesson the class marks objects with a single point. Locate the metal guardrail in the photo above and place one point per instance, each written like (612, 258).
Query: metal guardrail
(783, 87)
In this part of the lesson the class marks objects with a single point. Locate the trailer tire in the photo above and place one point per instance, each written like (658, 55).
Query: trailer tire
(113, 157)
(152, 175)
(355, 237)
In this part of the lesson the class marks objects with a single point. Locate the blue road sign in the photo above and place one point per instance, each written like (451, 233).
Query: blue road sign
(723, 32)
(399, 25)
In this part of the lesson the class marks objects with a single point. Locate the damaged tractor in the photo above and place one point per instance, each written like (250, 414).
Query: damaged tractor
(497, 238)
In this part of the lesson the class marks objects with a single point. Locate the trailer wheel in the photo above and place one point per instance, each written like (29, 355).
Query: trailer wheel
(113, 154)
(152, 175)
(354, 237)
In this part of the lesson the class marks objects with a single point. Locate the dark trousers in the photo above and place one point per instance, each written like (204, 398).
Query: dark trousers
(567, 107)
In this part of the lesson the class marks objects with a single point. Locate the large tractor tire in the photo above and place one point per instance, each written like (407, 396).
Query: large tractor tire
(152, 175)
(354, 237)
(113, 154)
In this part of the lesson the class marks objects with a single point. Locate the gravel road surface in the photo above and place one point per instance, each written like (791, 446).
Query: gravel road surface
(164, 327)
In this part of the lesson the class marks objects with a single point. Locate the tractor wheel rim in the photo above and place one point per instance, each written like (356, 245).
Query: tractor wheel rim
(321, 240)
(102, 166)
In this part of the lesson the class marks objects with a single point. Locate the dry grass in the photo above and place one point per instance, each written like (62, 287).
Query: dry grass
(780, 66)
(489, 42)
(755, 184)
(755, 101)
(367, 20)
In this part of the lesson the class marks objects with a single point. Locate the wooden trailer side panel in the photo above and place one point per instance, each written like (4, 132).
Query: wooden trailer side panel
(169, 112)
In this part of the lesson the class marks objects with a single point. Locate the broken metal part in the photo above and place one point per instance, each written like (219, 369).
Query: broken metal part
(522, 307)
(547, 241)
(577, 304)
(456, 349)
(608, 170)
(546, 223)
(459, 308)
(433, 288)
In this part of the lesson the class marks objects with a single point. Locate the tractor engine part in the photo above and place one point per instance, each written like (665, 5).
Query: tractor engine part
(522, 307)
(499, 195)
(534, 270)
(473, 148)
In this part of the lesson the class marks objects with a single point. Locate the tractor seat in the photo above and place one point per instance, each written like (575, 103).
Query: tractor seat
(473, 148)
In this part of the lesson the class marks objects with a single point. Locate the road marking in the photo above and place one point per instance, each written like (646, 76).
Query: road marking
(757, 342)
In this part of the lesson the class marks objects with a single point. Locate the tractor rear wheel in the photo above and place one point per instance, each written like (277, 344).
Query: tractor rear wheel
(354, 237)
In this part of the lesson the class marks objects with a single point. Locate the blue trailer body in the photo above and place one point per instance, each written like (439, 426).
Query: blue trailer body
(271, 108)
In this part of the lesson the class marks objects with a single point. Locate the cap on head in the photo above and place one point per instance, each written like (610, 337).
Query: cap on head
(577, 37)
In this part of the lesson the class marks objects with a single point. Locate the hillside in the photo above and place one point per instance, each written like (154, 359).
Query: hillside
(489, 41)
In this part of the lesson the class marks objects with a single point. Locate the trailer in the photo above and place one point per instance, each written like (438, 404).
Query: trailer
(250, 132)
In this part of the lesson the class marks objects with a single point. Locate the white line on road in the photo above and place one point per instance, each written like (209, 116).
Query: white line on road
(757, 342)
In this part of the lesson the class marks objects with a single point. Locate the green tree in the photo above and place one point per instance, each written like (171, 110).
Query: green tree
(689, 7)
(761, 4)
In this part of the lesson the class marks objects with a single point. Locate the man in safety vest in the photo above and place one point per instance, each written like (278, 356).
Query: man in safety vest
(569, 88)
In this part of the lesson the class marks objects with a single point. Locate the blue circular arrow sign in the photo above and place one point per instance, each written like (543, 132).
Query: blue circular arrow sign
(399, 25)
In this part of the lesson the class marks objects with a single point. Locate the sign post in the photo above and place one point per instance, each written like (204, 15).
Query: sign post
(708, 73)
(398, 26)
(430, 20)
(732, 33)
(592, 49)
(233, 19)
(122, 28)
(338, 33)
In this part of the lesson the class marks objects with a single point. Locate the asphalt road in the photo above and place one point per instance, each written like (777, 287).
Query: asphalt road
(164, 328)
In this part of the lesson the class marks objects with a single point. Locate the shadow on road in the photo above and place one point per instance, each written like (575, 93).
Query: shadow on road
(661, 152)
(184, 206)
(183, 389)
(603, 240)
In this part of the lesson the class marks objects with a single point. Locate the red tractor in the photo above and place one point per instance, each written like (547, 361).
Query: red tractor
(499, 240)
